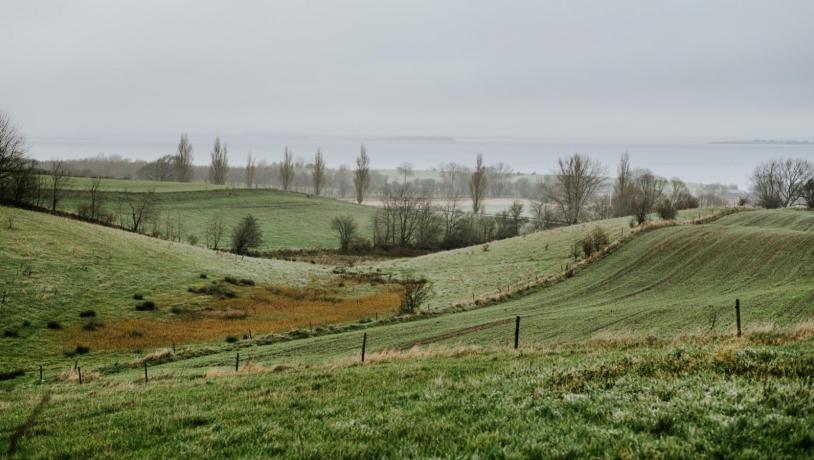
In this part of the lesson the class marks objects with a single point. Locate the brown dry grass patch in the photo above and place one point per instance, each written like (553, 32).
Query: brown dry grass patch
(259, 309)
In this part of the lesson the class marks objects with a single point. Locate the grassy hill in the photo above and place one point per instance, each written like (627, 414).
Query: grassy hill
(52, 269)
(474, 272)
(288, 219)
(632, 356)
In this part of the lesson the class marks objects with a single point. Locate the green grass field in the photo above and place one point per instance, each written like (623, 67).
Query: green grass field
(633, 356)
(462, 274)
(716, 398)
(288, 220)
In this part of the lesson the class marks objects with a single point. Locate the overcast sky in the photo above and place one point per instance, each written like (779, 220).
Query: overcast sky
(578, 69)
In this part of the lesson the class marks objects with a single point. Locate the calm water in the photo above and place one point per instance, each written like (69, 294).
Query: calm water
(693, 161)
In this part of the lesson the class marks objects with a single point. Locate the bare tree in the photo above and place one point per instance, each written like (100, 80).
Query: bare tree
(404, 170)
(477, 185)
(416, 293)
(93, 208)
(182, 162)
(623, 188)
(780, 183)
(287, 169)
(59, 178)
(361, 176)
(318, 173)
(498, 175)
(215, 230)
(453, 179)
(794, 174)
(575, 182)
(649, 191)
(141, 208)
(345, 228)
(251, 171)
(808, 193)
(12, 151)
(219, 167)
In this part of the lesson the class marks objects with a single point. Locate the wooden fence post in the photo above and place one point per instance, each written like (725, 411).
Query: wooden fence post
(79, 370)
(364, 344)
(173, 347)
(145, 371)
(237, 362)
(41, 380)
(738, 315)
(516, 332)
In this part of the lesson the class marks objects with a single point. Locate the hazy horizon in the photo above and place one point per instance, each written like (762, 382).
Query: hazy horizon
(577, 70)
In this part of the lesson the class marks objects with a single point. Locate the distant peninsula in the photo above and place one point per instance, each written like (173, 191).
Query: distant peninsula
(767, 142)
(419, 138)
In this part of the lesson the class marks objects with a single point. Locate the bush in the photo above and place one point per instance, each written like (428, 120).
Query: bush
(53, 325)
(192, 240)
(93, 326)
(346, 229)
(10, 333)
(359, 246)
(415, 293)
(203, 276)
(214, 290)
(666, 210)
(11, 374)
(231, 339)
(246, 236)
(594, 241)
(79, 350)
(239, 282)
(138, 296)
(87, 314)
(147, 305)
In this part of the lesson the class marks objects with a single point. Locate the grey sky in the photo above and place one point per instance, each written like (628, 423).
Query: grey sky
(643, 69)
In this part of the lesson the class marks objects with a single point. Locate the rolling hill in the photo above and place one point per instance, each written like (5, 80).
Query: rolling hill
(634, 355)
(288, 220)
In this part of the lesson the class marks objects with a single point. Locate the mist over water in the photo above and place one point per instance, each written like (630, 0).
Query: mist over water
(697, 161)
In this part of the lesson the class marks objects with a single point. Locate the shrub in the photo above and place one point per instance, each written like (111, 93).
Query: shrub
(214, 290)
(10, 333)
(93, 326)
(231, 339)
(666, 210)
(138, 296)
(192, 240)
(359, 245)
(87, 314)
(239, 282)
(79, 350)
(594, 241)
(246, 236)
(415, 293)
(203, 276)
(11, 374)
(346, 228)
(147, 305)
(53, 325)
